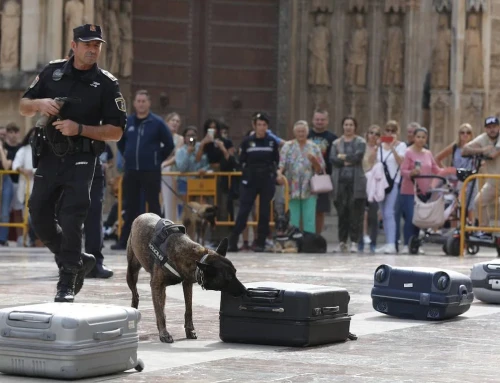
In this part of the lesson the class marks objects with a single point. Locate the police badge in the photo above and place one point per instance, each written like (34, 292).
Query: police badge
(120, 104)
(57, 75)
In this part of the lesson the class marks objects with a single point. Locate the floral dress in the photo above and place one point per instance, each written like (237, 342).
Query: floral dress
(297, 168)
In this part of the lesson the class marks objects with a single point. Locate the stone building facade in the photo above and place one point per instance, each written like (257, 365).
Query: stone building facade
(432, 61)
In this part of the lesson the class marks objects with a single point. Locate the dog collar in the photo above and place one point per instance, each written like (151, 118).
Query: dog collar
(198, 274)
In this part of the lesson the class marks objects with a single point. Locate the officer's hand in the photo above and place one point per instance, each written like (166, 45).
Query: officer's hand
(66, 127)
(48, 107)
(280, 180)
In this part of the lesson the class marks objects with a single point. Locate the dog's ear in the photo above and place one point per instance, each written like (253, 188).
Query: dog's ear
(222, 248)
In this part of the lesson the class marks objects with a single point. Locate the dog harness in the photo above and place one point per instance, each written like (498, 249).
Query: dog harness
(158, 245)
(293, 234)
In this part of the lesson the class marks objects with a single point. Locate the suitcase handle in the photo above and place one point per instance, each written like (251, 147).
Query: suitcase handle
(107, 335)
(30, 317)
(330, 310)
(44, 335)
(263, 293)
(278, 310)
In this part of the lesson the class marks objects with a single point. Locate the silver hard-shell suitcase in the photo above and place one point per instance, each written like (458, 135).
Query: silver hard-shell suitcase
(486, 281)
(68, 340)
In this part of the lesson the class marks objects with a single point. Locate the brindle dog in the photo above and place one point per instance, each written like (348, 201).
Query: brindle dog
(215, 273)
(196, 217)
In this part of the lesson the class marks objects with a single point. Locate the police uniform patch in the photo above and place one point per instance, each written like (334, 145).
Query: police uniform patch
(37, 78)
(57, 75)
(109, 75)
(57, 61)
(252, 144)
(271, 144)
(120, 104)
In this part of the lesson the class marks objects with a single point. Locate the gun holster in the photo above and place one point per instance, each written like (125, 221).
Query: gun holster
(37, 143)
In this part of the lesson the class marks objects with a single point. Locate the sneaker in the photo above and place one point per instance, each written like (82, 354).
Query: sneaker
(354, 248)
(367, 240)
(405, 250)
(390, 248)
(381, 250)
(341, 248)
(482, 236)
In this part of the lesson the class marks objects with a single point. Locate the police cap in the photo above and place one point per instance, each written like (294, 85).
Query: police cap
(260, 116)
(88, 32)
(491, 121)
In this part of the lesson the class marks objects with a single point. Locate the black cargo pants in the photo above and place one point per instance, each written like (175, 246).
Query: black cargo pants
(59, 203)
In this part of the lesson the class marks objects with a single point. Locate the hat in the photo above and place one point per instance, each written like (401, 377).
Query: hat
(491, 121)
(88, 32)
(260, 116)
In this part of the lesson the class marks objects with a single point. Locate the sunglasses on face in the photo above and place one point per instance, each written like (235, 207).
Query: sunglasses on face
(374, 133)
(466, 133)
(390, 130)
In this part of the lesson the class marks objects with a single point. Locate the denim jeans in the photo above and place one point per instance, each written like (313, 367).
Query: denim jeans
(388, 207)
(7, 195)
(407, 202)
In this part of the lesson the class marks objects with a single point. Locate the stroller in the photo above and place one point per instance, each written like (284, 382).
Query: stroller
(434, 211)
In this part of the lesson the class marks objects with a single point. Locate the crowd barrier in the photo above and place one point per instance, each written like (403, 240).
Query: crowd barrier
(24, 225)
(202, 188)
(480, 180)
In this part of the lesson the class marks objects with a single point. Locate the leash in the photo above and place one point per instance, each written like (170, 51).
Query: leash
(180, 198)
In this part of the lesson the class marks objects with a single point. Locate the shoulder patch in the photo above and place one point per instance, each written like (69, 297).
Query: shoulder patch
(34, 81)
(109, 75)
(57, 61)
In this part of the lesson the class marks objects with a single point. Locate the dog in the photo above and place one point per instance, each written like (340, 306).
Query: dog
(196, 217)
(186, 258)
(289, 239)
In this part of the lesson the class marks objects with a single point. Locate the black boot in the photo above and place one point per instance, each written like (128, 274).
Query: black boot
(100, 271)
(233, 244)
(66, 285)
(88, 261)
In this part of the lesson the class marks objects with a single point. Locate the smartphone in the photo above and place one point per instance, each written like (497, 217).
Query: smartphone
(386, 139)
(211, 131)
(417, 165)
(192, 141)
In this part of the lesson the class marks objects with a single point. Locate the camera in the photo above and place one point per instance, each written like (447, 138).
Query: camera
(192, 141)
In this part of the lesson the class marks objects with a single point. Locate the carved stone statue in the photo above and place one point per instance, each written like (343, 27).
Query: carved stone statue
(441, 57)
(11, 24)
(394, 57)
(114, 37)
(74, 12)
(442, 5)
(322, 6)
(394, 6)
(319, 48)
(357, 5)
(100, 19)
(476, 5)
(358, 52)
(127, 46)
(473, 68)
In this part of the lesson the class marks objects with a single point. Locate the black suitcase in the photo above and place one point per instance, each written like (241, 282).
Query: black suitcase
(285, 314)
(421, 292)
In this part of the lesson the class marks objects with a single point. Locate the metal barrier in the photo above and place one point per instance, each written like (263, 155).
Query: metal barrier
(464, 228)
(205, 185)
(25, 224)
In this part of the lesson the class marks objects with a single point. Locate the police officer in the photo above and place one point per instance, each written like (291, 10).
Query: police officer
(68, 149)
(259, 159)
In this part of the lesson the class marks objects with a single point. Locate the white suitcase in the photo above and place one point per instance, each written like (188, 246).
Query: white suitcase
(486, 281)
(68, 340)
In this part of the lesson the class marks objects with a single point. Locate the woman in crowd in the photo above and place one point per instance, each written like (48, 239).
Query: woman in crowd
(173, 121)
(348, 178)
(391, 154)
(300, 159)
(417, 161)
(186, 161)
(465, 134)
(370, 221)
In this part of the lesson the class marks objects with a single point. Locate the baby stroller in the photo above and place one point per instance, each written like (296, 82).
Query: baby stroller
(432, 210)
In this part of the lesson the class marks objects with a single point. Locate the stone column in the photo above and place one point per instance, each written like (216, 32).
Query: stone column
(458, 16)
(494, 59)
(55, 18)
(375, 61)
(29, 37)
(89, 11)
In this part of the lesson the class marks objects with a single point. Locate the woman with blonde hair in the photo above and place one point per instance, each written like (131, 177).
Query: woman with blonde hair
(173, 121)
(300, 159)
(465, 134)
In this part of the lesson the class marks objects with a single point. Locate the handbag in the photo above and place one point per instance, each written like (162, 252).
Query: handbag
(428, 215)
(390, 180)
(321, 183)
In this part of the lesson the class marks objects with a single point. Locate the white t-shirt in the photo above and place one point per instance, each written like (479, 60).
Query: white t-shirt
(390, 160)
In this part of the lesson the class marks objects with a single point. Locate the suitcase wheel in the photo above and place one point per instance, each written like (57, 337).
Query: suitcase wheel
(140, 365)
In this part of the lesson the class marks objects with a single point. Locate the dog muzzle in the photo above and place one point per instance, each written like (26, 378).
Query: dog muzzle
(199, 274)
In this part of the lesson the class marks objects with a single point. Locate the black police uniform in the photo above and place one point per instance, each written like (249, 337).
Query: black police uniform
(259, 158)
(66, 165)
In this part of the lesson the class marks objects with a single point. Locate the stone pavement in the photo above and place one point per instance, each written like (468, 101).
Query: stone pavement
(388, 349)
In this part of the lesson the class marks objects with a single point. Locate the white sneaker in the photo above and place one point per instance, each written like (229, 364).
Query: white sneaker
(421, 251)
(390, 248)
(367, 240)
(405, 250)
(341, 248)
(354, 248)
(381, 250)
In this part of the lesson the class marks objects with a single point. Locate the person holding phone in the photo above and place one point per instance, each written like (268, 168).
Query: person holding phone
(391, 154)
(417, 161)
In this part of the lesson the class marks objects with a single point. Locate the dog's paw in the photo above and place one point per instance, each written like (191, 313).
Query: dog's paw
(166, 338)
(191, 334)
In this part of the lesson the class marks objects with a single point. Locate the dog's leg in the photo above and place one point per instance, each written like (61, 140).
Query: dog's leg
(158, 287)
(187, 287)
(133, 269)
